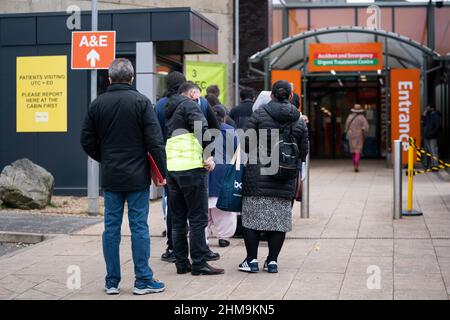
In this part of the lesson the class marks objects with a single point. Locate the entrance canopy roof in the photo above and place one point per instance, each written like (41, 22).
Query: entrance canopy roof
(292, 52)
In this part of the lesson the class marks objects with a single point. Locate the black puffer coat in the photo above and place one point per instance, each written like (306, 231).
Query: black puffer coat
(118, 131)
(273, 116)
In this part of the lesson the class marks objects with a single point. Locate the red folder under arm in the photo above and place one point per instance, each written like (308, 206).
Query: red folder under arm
(154, 171)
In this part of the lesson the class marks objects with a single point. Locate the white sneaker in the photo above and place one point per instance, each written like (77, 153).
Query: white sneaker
(112, 291)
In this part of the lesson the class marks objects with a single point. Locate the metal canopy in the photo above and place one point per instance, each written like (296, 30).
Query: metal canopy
(292, 52)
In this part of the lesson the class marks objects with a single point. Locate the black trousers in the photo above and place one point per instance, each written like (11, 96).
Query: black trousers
(188, 203)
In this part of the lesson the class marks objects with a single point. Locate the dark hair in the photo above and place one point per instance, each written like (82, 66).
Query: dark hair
(187, 86)
(213, 89)
(281, 90)
(220, 111)
(212, 100)
(174, 80)
(247, 93)
(192, 82)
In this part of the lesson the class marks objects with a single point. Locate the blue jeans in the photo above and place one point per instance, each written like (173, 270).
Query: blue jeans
(138, 207)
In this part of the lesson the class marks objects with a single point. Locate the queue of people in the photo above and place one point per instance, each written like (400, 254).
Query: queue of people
(177, 133)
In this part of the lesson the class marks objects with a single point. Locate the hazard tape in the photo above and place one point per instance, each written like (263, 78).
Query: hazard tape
(420, 153)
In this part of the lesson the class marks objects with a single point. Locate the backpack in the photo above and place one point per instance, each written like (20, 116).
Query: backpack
(288, 153)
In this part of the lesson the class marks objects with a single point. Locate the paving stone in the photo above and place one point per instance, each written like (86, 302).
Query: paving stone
(426, 264)
(420, 295)
(33, 294)
(373, 248)
(6, 294)
(418, 282)
(360, 287)
(364, 265)
(16, 284)
(413, 248)
(264, 286)
(315, 286)
(331, 264)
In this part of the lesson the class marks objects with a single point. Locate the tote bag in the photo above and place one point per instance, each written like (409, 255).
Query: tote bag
(230, 194)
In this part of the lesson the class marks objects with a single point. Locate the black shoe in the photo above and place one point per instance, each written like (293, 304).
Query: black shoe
(168, 256)
(184, 269)
(207, 270)
(223, 243)
(212, 256)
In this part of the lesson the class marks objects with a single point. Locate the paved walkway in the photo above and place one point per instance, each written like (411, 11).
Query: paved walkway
(350, 233)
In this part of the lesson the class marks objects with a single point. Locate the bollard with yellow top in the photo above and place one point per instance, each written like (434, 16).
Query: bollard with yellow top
(409, 208)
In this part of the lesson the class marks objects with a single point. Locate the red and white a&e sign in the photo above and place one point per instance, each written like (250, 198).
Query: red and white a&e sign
(93, 49)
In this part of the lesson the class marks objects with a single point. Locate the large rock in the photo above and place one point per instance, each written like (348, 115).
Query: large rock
(25, 185)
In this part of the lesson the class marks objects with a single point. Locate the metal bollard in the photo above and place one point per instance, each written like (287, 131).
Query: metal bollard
(397, 179)
(305, 193)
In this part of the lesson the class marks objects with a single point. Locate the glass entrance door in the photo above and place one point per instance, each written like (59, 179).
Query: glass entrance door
(330, 103)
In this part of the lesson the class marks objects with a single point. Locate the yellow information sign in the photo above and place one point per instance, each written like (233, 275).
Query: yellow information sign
(41, 101)
(205, 74)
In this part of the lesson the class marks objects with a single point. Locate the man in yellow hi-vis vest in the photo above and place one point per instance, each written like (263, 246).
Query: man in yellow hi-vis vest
(187, 180)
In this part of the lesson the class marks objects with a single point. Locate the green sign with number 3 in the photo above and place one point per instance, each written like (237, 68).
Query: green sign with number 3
(205, 74)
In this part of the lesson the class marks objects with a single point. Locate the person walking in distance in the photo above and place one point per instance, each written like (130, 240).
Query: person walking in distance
(431, 121)
(187, 180)
(125, 170)
(356, 128)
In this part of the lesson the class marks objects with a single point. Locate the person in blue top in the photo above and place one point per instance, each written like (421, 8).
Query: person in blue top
(173, 82)
(224, 222)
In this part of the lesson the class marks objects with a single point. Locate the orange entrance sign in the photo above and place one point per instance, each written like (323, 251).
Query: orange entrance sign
(93, 49)
(345, 56)
(405, 107)
(292, 76)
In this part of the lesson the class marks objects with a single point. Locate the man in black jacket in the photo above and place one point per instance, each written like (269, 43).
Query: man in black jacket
(187, 180)
(242, 112)
(119, 130)
(431, 126)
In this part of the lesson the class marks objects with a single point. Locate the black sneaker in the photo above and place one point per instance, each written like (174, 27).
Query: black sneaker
(207, 270)
(212, 256)
(251, 266)
(223, 243)
(168, 256)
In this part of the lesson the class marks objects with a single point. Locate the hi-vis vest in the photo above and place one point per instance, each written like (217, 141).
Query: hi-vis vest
(184, 152)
